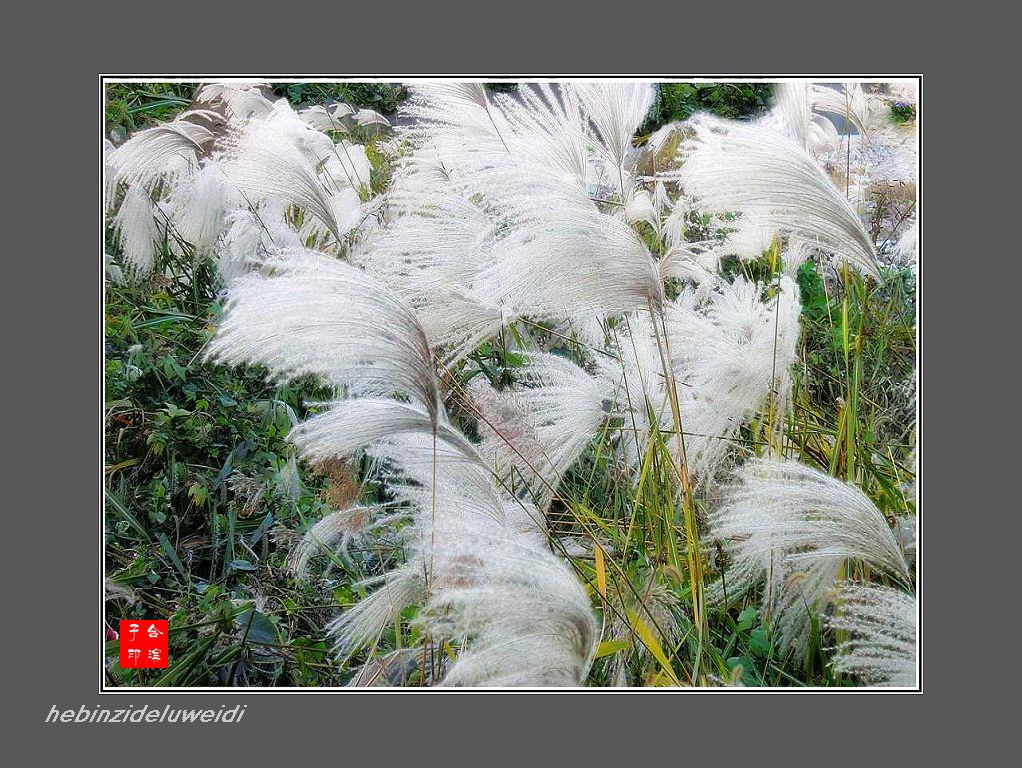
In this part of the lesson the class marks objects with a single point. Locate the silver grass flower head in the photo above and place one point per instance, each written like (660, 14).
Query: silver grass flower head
(492, 209)
(327, 118)
(749, 168)
(794, 527)
(524, 616)
(335, 532)
(489, 580)
(161, 151)
(881, 624)
(136, 223)
(732, 352)
(277, 157)
(540, 429)
(362, 625)
(198, 204)
(317, 315)
(617, 110)
(252, 237)
(243, 101)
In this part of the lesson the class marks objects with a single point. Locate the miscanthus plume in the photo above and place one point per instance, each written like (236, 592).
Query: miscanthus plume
(796, 529)
(880, 626)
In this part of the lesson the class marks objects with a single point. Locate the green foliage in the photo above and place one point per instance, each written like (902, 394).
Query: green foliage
(679, 101)
(198, 482)
(383, 97)
(902, 112)
(130, 107)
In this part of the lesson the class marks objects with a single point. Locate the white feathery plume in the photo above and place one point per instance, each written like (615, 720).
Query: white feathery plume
(449, 474)
(198, 204)
(616, 110)
(796, 109)
(162, 150)
(749, 240)
(751, 169)
(851, 103)
(693, 263)
(797, 105)
(334, 533)
(731, 354)
(431, 482)
(347, 165)
(640, 208)
(444, 112)
(242, 100)
(317, 315)
(907, 247)
(796, 253)
(112, 270)
(276, 157)
(908, 534)
(346, 210)
(109, 176)
(253, 235)
(519, 613)
(609, 270)
(474, 250)
(794, 527)
(881, 649)
(539, 429)
(483, 567)
(113, 591)
(882, 151)
(349, 425)
(524, 616)
(549, 128)
(366, 117)
(361, 625)
(139, 232)
(675, 224)
(325, 117)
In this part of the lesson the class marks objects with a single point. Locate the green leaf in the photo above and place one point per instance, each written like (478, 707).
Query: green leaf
(169, 550)
(653, 645)
(746, 618)
(261, 530)
(261, 630)
(198, 494)
(610, 647)
(759, 643)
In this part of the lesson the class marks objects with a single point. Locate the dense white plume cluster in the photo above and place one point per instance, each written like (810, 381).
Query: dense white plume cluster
(531, 217)
(237, 179)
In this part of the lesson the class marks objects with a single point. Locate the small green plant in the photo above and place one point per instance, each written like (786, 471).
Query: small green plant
(902, 112)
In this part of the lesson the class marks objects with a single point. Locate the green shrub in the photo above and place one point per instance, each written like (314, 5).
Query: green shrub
(679, 101)
(383, 97)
